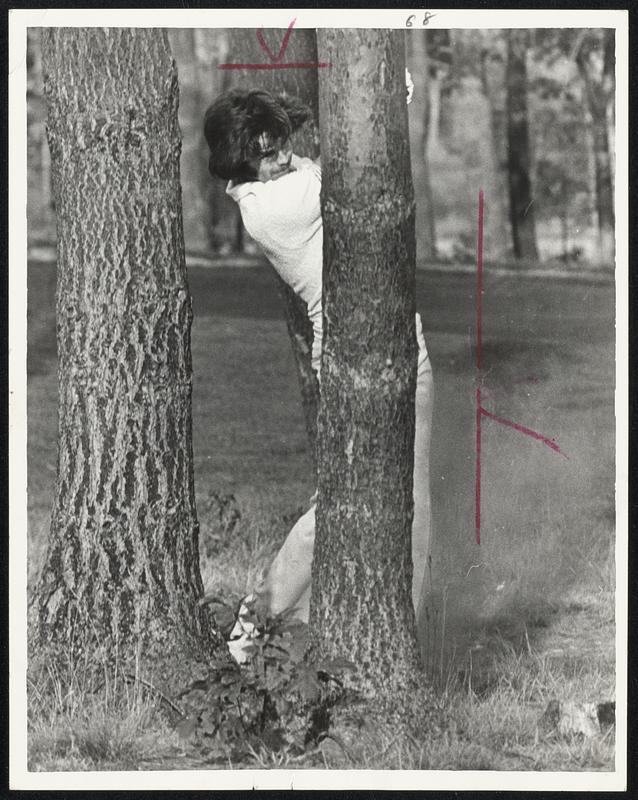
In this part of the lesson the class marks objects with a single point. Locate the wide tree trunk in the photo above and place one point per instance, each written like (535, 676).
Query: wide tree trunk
(361, 605)
(122, 568)
(301, 83)
(419, 119)
(597, 73)
(522, 216)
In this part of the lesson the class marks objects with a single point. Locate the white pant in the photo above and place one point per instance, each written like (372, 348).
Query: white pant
(288, 581)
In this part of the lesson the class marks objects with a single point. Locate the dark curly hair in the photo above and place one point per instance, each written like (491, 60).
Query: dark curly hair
(235, 122)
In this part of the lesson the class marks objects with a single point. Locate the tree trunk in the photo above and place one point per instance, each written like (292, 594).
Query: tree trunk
(599, 90)
(493, 151)
(122, 568)
(418, 113)
(522, 214)
(211, 218)
(223, 220)
(40, 214)
(434, 110)
(301, 83)
(604, 189)
(193, 95)
(361, 605)
(449, 89)
(439, 44)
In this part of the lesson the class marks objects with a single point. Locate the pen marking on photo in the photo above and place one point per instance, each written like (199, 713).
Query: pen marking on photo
(276, 60)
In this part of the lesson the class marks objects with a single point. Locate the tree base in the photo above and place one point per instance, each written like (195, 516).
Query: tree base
(378, 722)
(165, 660)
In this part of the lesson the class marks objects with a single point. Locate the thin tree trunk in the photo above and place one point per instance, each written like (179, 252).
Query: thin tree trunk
(439, 46)
(211, 218)
(40, 216)
(418, 113)
(522, 215)
(448, 89)
(301, 83)
(122, 568)
(434, 110)
(604, 189)
(493, 147)
(193, 163)
(361, 605)
(599, 89)
(223, 220)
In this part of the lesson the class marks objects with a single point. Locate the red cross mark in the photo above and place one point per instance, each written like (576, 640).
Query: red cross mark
(276, 61)
(480, 410)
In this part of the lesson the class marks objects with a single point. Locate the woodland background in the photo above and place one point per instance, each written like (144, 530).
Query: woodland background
(528, 617)
(458, 126)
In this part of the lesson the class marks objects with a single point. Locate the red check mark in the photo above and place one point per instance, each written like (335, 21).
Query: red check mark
(276, 59)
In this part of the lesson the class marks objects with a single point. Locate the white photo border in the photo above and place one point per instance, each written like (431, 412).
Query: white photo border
(20, 777)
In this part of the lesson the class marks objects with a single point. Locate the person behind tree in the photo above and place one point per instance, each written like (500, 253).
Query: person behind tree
(278, 193)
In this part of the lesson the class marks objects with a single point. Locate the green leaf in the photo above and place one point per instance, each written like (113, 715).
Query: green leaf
(275, 680)
(278, 654)
(232, 693)
(307, 685)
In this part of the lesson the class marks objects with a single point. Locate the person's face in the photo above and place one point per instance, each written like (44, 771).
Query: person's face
(274, 159)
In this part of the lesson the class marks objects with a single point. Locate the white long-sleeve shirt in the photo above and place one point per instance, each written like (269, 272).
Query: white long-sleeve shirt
(284, 218)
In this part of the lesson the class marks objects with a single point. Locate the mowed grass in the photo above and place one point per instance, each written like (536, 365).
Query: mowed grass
(526, 617)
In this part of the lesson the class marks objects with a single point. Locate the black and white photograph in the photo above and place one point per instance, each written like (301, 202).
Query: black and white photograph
(318, 399)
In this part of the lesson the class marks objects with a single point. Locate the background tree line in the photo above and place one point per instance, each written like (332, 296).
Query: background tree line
(526, 114)
(122, 558)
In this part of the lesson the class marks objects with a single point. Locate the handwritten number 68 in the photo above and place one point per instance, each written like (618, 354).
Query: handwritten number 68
(409, 23)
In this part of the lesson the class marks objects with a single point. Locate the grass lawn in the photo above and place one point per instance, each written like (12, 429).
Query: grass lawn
(525, 618)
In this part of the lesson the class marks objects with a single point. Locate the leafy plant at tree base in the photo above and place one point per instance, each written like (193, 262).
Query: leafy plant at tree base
(278, 701)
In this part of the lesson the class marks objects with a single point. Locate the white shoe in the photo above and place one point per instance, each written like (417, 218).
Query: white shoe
(241, 640)
(241, 649)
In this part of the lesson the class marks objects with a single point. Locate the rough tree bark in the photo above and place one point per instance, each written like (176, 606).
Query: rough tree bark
(361, 605)
(302, 83)
(122, 568)
(419, 119)
(597, 72)
(522, 216)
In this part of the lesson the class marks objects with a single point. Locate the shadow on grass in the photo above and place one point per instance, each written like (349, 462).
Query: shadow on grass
(547, 520)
